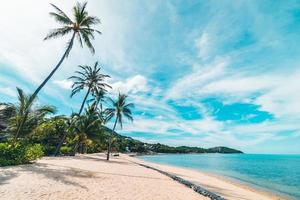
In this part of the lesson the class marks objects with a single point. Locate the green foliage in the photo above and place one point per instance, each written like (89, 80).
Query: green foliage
(66, 150)
(48, 149)
(20, 153)
(23, 116)
(50, 131)
(81, 26)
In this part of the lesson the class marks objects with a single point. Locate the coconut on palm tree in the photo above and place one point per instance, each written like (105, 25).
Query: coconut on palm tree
(80, 27)
(119, 110)
(91, 79)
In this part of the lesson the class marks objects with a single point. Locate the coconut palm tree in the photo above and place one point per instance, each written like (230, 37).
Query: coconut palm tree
(120, 109)
(24, 117)
(99, 99)
(86, 126)
(89, 78)
(92, 79)
(80, 27)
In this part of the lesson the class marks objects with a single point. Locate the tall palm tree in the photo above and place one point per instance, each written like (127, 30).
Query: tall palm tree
(80, 27)
(89, 78)
(24, 116)
(120, 109)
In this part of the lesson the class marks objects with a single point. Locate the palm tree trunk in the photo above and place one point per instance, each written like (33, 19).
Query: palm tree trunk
(60, 144)
(84, 100)
(23, 120)
(56, 67)
(109, 140)
(80, 111)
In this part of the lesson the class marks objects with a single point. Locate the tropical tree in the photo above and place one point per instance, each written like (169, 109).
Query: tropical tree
(50, 132)
(24, 116)
(99, 98)
(68, 131)
(119, 109)
(87, 126)
(89, 78)
(80, 27)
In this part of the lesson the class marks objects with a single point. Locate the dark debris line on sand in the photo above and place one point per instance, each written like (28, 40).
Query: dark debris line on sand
(187, 183)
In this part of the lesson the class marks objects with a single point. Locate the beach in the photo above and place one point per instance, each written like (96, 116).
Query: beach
(92, 177)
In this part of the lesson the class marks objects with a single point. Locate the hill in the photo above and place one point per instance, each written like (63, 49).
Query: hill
(128, 144)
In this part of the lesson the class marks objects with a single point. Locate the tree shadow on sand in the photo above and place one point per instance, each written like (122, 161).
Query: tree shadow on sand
(6, 175)
(64, 175)
(93, 158)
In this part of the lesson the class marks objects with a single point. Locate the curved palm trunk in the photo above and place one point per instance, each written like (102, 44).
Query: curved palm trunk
(48, 78)
(80, 111)
(23, 120)
(56, 67)
(84, 100)
(57, 150)
(109, 140)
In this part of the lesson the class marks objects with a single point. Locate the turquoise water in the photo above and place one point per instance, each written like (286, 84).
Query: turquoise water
(278, 173)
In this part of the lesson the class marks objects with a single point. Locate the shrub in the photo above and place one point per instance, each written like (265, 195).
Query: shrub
(21, 153)
(33, 152)
(66, 150)
(49, 150)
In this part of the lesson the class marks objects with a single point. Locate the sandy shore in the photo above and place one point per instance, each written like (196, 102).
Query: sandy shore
(91, 177)
(219, 185)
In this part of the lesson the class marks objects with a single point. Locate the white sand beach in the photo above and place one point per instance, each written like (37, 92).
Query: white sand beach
(92, 177)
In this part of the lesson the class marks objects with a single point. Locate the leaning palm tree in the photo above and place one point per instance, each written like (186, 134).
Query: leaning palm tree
(24, 117)
(80, 27)
(93, 80)
(89, 78)
(119, 109)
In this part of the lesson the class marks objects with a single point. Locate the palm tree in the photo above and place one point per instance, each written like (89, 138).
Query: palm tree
(92, 79)
(80, 27)
(86, 126)
(99, 98)
(23, 116)
(89, 78)
(120, 108)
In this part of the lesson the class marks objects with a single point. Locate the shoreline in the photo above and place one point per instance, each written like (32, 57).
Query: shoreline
(90, 176)
(229, 180)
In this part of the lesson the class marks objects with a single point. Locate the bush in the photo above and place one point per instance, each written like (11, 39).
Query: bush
(33, 152)
(19, 154)
(66, 150)
(49, 150)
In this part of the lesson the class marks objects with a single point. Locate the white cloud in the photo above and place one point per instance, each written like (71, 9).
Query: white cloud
(204, 46)
(33, 59)
(201, 75)
(64, 84)
(135, 84)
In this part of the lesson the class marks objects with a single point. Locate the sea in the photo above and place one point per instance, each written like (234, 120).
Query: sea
(275, 173)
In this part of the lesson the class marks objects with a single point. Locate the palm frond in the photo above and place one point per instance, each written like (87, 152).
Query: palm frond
(58, 32)
(61, 13)
(87, 41)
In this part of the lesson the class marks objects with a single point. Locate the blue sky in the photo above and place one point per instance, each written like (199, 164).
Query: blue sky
(201, 73)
